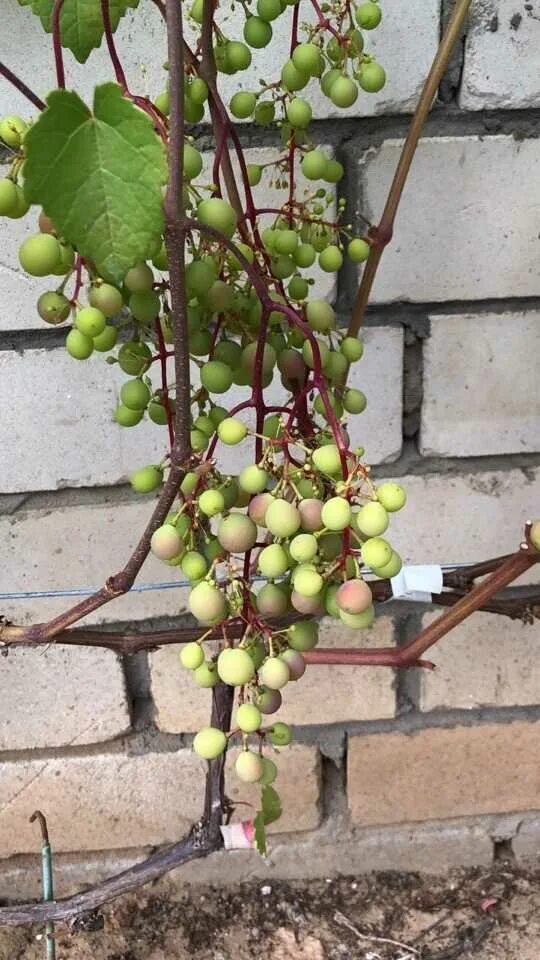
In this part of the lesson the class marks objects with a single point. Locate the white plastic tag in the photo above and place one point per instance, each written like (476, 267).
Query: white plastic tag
(417, 582)
(238, 836)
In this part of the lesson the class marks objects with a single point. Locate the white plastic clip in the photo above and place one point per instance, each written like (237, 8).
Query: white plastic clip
(417, 582)
(238, 836)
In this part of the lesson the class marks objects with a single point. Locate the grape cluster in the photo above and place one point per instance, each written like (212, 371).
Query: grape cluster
(291, 534)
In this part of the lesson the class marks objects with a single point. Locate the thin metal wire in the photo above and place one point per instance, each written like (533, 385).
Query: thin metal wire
(144, 587)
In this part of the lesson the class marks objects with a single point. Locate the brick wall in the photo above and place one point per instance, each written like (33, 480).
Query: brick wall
(388, 771)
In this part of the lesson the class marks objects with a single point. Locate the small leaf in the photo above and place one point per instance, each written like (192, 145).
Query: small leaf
(271, 805)
(98, 177)
(260, 833)
(81, 21)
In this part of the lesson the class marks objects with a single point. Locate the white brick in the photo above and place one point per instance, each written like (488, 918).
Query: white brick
(487, 661)
(100, 802)
(405, 47)
(466, 228)
(480, 385)
(325, 694)
(466, 518)
(60, 696)
(502, 57)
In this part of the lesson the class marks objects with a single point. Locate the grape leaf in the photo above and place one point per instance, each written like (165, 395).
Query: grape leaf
(98, 176)
(81, 22)
(270, 804)
(260, 833)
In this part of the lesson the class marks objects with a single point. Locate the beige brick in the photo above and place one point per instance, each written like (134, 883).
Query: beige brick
(480, 377)
(443, 773)
(487, 661)
(298, 785)
(58, 696)
(100, 802)
(325, 694)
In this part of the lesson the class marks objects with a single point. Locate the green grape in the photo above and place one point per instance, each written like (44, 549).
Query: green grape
(299, 113)
(163, 103)
(280, 733)
(12, 131)
(217, 213)
(207, 603)
(371, 77)
(368, 15)
(193, 162)
(376, 552)
(135, 395)
(237, 533)
(307, 606)
(238, 55)
(253, 479)
(78, 345)
(321, 316)
(272, 600)
(354, 401)
(269, 773)
(8, 198)
(258, 507)
(257, 32)
(328, 80)
(306, 58)
(231, 431)
(39, 254)
(358, 621)
(334, 403)
(295, 663)
(314, 165)
(106, 298)
(160, 260)
(189, 483)
(134, 358)
(243, 104)
(354, 596)
(206, 675)
(157, 412)
(335, 50)
(22, 205)
(273, 561)
(282, 266)
(125, 417)
(66, 261)
(293, 79)
(200, 343)
(254, 172)
(298, 288)
(304, 255)
(216, 377)
(235, 666)
(306, 581)
(194, 567)
(210, 742)
(344, 92)
(310, 511)
(352, 349)
(200, 275)
(307, 353)
(392, 496)
(303, 636)
(228, 352)
(334, 171)
(303, 548)
(191, 655)
(282, 518)
(146, 479)
(213, 550)
(248, 718)
(274, 673)
(331, 259)
(330, 604)
(219, 297)
(249, 766)
(140, 277)
(390, 569)
(90, 321)
(358, 250)
(53, 307)
(327, 459)
(286, 241)
(264, 113)
(257, 652)
(166, 542)
(211, 502)
(198, 90)
(268, 9)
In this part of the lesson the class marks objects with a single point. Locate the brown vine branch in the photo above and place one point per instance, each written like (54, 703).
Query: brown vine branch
(381, 235)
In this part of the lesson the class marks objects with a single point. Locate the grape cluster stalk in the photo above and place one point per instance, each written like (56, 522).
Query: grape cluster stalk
(223, 299)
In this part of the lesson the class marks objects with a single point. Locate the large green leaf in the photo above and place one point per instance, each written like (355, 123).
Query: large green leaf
(81, 22)
(98, 176)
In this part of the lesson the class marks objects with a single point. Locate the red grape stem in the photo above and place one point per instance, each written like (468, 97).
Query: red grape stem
(57, 44)
(21, 86)
(115, 59)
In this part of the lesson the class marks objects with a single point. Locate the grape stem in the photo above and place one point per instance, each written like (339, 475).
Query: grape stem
(57, 44)
(21, 86)
(115, 59)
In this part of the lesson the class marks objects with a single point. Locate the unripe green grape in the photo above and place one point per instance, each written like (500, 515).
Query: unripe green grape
(193, 162)
(358, 250)
(249, 766)
(193, 112)
(22, 205)
(235, 667)
(336, 366)
(272, 600)
(293, 79)
(331, 259)
(286, 241)
(258, 507)
(282, 266)
(304, 255)
(200, 343)
(299, 113)
(8, 198)
(207, 603)
(352, 348)
(307, 353)
(191, 655)
(194, 565)
(327, 459)
(230, 490)
(53, 307)
(264, 113)
(157, 412)
(78, 345)
(205, 424)
(146, 479)
(392, 496)
(310, 511)
(321, 316)
(358, 621)
(200, 275)
(210, 743)
(268, 9)
(213, 550)
(198, 90)
(135, 395)
(308, 488)
(273, 426)
(295, 663)
(211, 502)
(303, 636)
(125, 417)
(371, 77)
(306, 581)
(243, 104)
(274, 673)
(161, 260)
(189, 483)
(248, 717)
(198, 440)
(354, 401)
(66, 259)
(273, 561)
(257, 32)
(268, 701)
(282, 518)
(257, 652)
(140, 277)
(328, 80)
(303, 548)
(197, 11)
(269, 773)
(298, 288)
(372, 519)
(243, 247)
(306, 58)
(106, 298)
(163, 103)
(216, 377)
(354, 596)
(134, 358)
(330, 603)
(390, 569)
(91, 322)
(344, 92)
(219, 297)
(238, 55)
(335, 50)
(249, 356)
(231, 431)
(336, 513)
(314, 165)
(376, 552)
(253, 479)
(280, 733)
(237, 533)
(166, 542)
(219, 214)
(206, 676)
(307, 606)
(39, 254)
(368, 15)
(254, 172)
(334, 171)
(320, 236)
(13, 130)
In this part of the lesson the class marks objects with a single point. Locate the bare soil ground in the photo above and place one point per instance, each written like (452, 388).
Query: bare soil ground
(484, 914)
